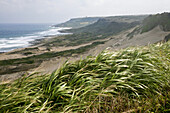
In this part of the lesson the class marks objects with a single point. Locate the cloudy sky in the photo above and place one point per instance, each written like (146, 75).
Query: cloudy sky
(56, 11)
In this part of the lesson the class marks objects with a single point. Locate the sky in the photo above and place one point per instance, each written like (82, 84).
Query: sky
(57, 11)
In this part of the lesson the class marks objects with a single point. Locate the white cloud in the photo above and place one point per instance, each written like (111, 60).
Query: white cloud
(60, 10)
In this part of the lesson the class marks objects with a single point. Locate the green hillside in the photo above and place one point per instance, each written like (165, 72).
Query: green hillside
(135, 79)
(78, 22)
(163, 20)
(110, 25)
(105, 27)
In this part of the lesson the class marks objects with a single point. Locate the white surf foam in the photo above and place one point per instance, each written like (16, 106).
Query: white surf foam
(8, 44)
(52, 31)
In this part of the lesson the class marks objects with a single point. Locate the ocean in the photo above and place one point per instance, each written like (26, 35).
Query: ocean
(13, 36)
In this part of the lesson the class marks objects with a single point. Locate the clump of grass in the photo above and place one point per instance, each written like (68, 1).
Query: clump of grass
(135, 79)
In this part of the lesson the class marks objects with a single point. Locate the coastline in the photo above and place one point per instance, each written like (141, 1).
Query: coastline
(22, 36)
(51, 64)
(45, 60)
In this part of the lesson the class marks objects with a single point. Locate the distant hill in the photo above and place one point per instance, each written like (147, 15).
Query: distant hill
(78, 22)
(110, 25)
(152, 22)
(127, 19)
(163, 20)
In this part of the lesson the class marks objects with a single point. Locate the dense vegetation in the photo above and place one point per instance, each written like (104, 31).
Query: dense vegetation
(163, 20)
(135, 79)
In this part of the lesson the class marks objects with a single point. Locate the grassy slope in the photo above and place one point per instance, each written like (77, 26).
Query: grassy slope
(135, 79)
(152, 21)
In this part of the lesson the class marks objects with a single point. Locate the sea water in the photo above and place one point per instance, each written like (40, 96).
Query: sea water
(13, 36)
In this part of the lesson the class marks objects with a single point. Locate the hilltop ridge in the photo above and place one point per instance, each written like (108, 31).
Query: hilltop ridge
(78, 22)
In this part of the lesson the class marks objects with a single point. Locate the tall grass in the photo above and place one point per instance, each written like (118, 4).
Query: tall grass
(136, 79)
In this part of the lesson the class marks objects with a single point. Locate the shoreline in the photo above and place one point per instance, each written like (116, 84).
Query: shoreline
(50, 60)
(51, 64)
(13, 42)
(43, 49)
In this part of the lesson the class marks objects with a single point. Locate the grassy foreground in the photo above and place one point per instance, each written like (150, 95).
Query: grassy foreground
(135, 79)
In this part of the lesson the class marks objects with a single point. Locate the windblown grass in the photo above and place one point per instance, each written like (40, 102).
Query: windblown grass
(135, 79)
